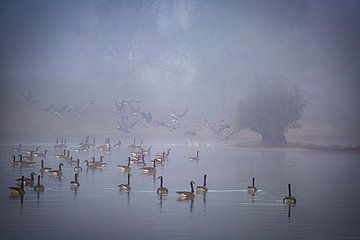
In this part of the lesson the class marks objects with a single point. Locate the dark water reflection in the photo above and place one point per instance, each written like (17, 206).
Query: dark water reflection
(325, 184)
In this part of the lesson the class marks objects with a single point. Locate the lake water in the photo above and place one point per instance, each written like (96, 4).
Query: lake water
(325, 184)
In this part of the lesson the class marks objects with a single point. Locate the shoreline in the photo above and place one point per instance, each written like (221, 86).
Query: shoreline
(300, 146)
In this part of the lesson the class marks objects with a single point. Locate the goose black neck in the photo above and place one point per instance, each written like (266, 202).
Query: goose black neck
(76, 177)
(129, 179)
(129, 159)
(192, 186)
(22, 182)
(101, 158)
(253, 182)
(205, 180)
(60, 166)
(161, 182)
(78, 162)
(32, 176)
(289, 187)
(38, 180)
(14, 158)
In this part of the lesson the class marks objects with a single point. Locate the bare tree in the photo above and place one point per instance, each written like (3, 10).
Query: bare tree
(271, 110)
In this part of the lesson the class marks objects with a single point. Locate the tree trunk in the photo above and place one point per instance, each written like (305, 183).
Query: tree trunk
(273, 139)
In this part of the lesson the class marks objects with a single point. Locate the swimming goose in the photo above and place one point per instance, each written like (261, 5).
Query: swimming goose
(27, 181)
(57, 172)
(16, 162)
(252, 188)
(91, 166)
(17, 149)
(290, 200)
(124, 168)
(29, 158)
(61, 156)
(138, 159)
(117, 145)
(195, 157)
(202, 189)
(133, 144)
(162, 190)
(149, 170)
(184, 195)
(75, 184)
(100, 163)
(25, 164)
(39, 187)
(18, 191)
(44, 169)
(77, 168)
(41, 154)
(126, 187)
(72, 162)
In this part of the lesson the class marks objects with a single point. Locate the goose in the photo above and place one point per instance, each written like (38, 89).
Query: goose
(252, 188)
(27, 181)
(61, 156)
(44, 169)
(23, 163)
(117, 145)
(18, 191)
(160, 158)
(290, 200)
(29, 158)
(195, 157)
(133, 144)
(124, 168)
(91, 166)
(75, 184)
(41, 154)
(77, 168)
(162, 190)
(57, 172)
(99, 163)
(138, 159)
(17, 162)
(202, 189)
(184, 195)
(72, 162)
(39, 187)
(17, 149)
(126, 187)
(149, 170)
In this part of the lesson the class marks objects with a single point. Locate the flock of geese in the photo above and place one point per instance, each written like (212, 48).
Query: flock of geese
(137, 157)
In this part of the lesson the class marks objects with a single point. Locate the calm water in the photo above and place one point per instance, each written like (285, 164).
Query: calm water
(326, 186)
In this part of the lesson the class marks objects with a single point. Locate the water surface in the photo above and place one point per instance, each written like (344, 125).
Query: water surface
(325, 185)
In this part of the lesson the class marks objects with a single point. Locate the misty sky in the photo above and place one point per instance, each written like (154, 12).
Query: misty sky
(198, 55)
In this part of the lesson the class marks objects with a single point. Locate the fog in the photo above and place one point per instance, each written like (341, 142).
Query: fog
(200, 56)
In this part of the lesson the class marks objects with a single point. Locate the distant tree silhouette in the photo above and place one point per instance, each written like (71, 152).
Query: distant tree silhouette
(271, 110)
